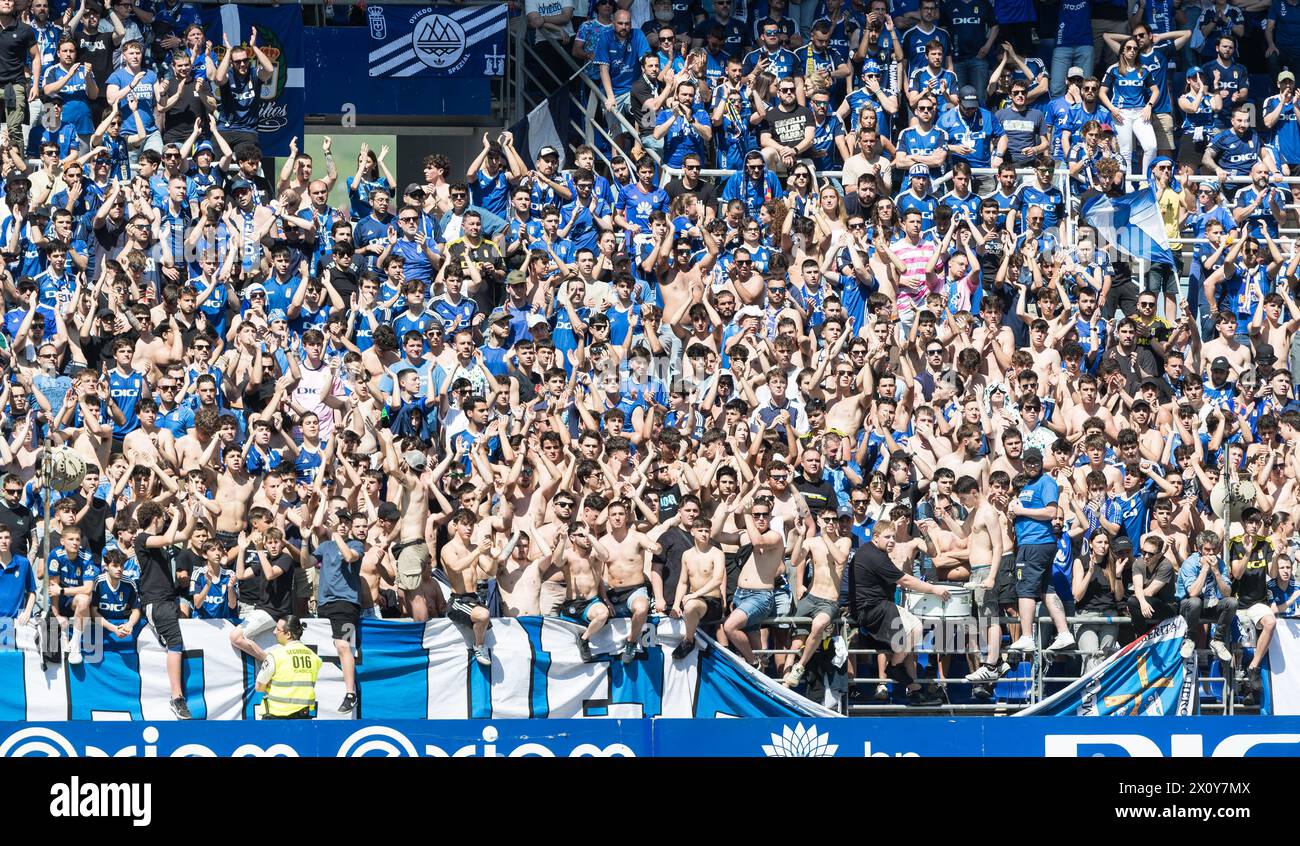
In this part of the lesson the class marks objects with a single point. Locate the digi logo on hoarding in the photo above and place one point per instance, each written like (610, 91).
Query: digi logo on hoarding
(438, 40)
(1141, 746)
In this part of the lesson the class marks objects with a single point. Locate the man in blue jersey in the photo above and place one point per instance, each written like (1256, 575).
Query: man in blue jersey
(1235, 151)
(618, 57)
(975, 32)
(916, 41)
(636, 202)
(1282, 35)
(489, 180)
(114, 598)
(17, 580)
(126, 387)
(1033, 512)
(1279, 114)
(72, 582)
(971, 131)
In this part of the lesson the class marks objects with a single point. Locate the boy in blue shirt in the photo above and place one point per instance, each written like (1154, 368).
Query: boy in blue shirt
(116, 599)
(214, 591)
(72, 581)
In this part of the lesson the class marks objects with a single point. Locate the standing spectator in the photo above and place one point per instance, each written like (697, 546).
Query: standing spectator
(18, 46)
(241, 89)
(1024, 128)
(618, 55)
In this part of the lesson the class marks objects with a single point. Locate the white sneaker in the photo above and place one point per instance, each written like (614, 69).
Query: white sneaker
(1221, 651)
(792, 678)
(985, 673)
(1062, 641)
(74, 653)
(1024, 644)
(1188, 648)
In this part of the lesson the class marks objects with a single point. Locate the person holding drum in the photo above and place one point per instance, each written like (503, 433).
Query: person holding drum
(883, 624)
(1033, 510)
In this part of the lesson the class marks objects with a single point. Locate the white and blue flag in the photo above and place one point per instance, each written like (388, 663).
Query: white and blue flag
(466, 41)
(1149, 677)
(1132, 223)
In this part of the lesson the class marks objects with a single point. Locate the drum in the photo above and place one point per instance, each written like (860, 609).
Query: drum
(930, 607)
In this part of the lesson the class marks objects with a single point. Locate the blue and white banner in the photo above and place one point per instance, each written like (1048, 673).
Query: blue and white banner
(279, 36)
(1131, 222)
(410, 41)
(860, 737)
(418, 671)
(1149, 677)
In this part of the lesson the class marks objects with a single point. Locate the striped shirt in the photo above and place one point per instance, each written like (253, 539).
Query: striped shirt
(914, 286)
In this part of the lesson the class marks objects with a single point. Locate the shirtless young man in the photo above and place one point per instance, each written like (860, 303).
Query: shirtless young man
(699, 585)
(581, 559)
(829, 552)
(1087, 407)
(234, 490)
(627, 583)
(755, 597)
(412, 551)
(966, 460)
(984, 535)
(461, 564)
(518, 575)
(149, 439)
(195, 450)
(1226, 345)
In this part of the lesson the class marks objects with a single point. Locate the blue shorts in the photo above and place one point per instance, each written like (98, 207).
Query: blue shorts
(1034, 570)
(620, 599)
(757, 605)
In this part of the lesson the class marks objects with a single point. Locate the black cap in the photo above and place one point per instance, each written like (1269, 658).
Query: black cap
(1032, 455)
(105, 314)
(414, 188)
(1220, 363)
(1264, 354)
(1121, 544)
(388, 511)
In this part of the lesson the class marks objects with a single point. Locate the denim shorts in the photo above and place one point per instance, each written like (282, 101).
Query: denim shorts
(757, 605)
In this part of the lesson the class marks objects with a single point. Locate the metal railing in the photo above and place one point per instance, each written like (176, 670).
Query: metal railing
(1036, 681)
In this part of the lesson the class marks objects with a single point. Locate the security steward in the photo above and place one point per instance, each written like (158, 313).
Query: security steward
(288, 676)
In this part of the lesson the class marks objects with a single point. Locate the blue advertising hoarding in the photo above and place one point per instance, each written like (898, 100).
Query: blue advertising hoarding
(897, 737)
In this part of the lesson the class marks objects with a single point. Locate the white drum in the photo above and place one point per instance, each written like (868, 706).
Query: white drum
(930, 607)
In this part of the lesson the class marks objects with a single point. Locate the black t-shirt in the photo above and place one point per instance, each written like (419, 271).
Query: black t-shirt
(670, 499)
(96, 48)
(92, 525)
(16, 42)
(178, 121)
(674, 542)
(871, 579)
(156, 581)
(188, 562)
(705, 191)
(277, 594)
(819, 494)
(788, 127)
(1162, 572)
(1252, 587)
(20, 522)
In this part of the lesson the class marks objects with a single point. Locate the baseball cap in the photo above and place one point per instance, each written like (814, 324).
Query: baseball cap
(204, 146)
(1194, 71)
(1075, 71)
(1284, 76)
(1220, 363)
(535, 319)
(414, 459)
(749, 311)
(388, 511)
(498, 314)
(969, 96)
(1122, 544)
(17, 177)
(414, 188)
(1033, 454)
(919, 170)
(276, 314)
(516, 277)
(105, 314)
(844, 511)
(241, 185)
(871, 66)
(546, 151)
(1264, 354)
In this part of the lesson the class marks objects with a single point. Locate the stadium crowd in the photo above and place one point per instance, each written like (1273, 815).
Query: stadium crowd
(884, 351)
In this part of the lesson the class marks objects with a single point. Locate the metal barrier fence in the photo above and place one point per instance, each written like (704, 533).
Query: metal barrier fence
(1037, 680)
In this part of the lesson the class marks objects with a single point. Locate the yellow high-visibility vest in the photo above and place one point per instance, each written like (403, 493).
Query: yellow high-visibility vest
(293, 687)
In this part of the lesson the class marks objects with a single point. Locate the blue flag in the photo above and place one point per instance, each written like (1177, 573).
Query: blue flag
(437, 41)
(1149, 677)
(1132, 223)
(279, 36)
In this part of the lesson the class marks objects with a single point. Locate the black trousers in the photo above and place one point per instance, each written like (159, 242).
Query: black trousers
(304, 714)
(1195, 612)
(1163, 611)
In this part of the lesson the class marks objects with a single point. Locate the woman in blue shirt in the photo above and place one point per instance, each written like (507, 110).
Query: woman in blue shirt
(368, 178)
(1129, 93)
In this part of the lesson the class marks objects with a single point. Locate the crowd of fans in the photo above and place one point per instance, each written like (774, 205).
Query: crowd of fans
(620, 389)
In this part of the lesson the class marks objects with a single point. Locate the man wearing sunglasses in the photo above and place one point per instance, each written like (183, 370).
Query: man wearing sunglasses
(240, 88)
(788, 133)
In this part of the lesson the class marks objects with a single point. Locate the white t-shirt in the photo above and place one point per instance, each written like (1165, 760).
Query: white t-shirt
(546, 8)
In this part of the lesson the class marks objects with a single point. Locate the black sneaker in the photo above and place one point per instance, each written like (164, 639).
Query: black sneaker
(181, 709)
(584, 650)
(981, 692)
(926, 696)
(686, 647)
(1255, 679)
(349, 702)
